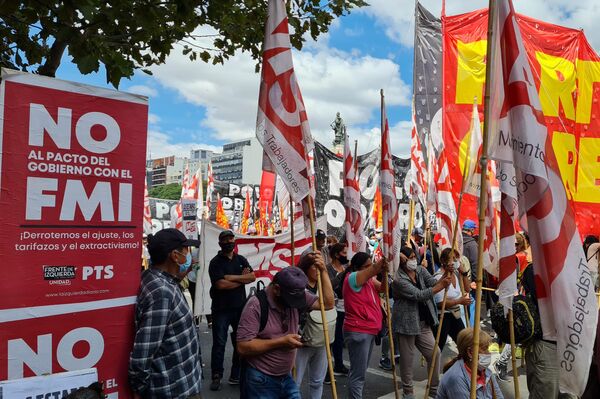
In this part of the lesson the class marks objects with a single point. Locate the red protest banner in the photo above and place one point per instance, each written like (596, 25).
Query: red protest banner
(72, 190)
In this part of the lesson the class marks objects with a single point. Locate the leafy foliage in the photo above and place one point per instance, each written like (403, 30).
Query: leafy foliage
(125, 35)
(167, 191)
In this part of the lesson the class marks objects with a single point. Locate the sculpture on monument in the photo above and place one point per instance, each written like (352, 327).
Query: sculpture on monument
(339, 130)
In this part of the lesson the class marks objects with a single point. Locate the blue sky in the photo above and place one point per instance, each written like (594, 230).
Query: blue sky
(196, 105)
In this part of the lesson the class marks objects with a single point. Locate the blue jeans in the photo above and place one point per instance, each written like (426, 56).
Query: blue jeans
(359, 347)
(312, 361)
(258, 385)
(221, 321)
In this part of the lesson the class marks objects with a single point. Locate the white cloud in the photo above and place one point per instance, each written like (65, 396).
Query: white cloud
(161, 145)
(331, 81)
(142, 90)
(370, 138)
(398, 22)
(153, 119)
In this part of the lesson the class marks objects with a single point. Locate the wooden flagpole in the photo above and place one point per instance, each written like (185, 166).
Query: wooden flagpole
(321, 300)
(292, 239)
(482, 201)
(411, 220)
(387, 291)
(513, 354)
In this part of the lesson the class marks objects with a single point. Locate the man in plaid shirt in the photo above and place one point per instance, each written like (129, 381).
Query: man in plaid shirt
(165, 360)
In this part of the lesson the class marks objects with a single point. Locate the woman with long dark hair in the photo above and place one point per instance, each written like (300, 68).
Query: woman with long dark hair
(364, 316)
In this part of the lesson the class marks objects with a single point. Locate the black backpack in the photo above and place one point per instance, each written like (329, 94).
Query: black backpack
(260, 294)
(526, 319)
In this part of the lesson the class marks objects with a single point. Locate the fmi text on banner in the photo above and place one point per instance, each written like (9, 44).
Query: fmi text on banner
(72, 172)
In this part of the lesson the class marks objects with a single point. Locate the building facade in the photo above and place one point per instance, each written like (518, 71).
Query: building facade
(240, 162)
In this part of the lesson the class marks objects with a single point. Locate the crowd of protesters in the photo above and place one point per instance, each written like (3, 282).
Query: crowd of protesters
(277, 333)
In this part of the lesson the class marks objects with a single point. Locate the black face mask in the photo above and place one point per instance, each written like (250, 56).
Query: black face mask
(227, 247)
(343, 260)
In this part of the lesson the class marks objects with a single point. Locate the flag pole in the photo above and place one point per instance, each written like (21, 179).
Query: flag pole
(411, 220)
(482, 200)
(293, 247)
(387, 291)
(513, 354)
(321, 300)
(443, 310)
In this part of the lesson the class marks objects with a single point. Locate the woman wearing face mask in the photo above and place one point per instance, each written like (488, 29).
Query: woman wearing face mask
(336, 269)
(456, 381)
(414, 315)
(453, 323)
(363, 316)
(311, 358)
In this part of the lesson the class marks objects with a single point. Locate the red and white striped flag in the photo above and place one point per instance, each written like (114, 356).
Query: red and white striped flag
(210, 188)
(490, 244)
(507, 267)
(355, 235)
(418, 168)
(519, 136)
(147, 213)
(185, 185)
(446, 208)
(282, 124)
(389, 204)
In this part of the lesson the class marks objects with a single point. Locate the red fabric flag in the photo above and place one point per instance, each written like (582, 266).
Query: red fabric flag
(418, 169)
(210, 187)
(389, 203)
(185, 184)
(446, 208)
(221, 217)
(281, 124)
(246, 216)
(355, 235)
(519, 136)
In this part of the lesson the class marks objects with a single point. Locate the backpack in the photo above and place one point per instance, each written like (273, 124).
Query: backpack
(526, 320)
(260, 294)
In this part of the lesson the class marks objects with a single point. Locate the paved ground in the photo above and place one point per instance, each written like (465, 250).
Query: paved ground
(379, 383)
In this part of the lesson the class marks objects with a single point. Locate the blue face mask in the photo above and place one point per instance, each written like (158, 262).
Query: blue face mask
(188, 261)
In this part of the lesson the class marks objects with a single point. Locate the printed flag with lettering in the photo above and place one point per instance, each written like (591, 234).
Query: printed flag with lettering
(282, 124)
(564, 286)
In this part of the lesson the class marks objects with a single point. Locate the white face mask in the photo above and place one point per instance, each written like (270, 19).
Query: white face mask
(411, 264)
(485, 360)
(456, 265)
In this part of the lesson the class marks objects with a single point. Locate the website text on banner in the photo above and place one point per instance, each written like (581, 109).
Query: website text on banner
(565, 71)
(72, 174)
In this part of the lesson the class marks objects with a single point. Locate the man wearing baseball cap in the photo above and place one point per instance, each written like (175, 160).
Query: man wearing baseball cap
(470, 251)
(270, 352)
(229, 273)
(165, 359)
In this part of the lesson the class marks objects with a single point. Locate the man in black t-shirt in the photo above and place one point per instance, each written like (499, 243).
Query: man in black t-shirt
(229, 273)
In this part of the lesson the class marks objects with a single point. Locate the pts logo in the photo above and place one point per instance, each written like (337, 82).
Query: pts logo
(97, 272)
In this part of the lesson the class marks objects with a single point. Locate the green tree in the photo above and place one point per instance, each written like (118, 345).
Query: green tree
(125, 35)
(168, 191)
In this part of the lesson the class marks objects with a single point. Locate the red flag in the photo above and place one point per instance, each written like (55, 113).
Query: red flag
(246, 216)
(147, 213)
(519, 136)
(418, 169)
(376, 217)
(281, 124)
(389, 204)
(221, 217)
(446, 207)
(210, 187)
(355, 236)
(185, 185)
